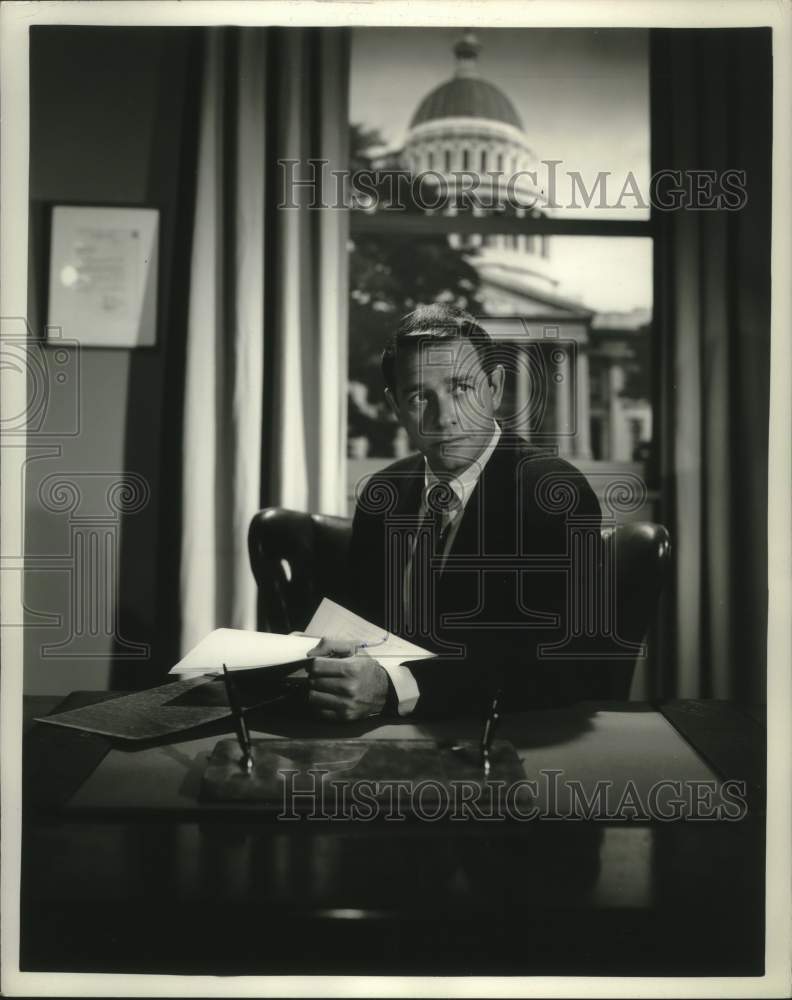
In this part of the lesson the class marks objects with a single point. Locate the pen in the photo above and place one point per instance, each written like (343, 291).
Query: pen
(489, 733)
(368, 645)
(239, 723)
(356, 647)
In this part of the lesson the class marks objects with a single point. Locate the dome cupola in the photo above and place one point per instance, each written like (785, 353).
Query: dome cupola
(467, 127)
(466, 95)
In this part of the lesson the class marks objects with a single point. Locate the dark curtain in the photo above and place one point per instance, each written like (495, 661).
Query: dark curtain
(712, 110)
(171, 186)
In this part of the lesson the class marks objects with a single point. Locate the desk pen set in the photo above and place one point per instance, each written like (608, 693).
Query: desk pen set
(261, 771)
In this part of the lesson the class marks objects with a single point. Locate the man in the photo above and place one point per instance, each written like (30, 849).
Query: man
(462, 548)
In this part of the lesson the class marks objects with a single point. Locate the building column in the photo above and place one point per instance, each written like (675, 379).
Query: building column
(616, 428)
(563, 398)
(582, 440)
(522, 389)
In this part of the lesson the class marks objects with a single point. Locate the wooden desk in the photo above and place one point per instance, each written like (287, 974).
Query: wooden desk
(175, 887)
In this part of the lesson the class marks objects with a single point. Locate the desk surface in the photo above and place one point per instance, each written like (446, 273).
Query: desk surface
(129, 874)
(558, 750)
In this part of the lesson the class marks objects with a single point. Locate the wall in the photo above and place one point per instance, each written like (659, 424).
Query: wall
(110, 125)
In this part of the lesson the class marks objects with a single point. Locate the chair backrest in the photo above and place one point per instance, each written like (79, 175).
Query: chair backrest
(639, 553)
(299, 558)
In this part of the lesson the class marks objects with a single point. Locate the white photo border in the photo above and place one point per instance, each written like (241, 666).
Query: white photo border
(15, 20)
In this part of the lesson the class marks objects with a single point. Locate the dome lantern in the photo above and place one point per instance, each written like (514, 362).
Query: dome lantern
(466, 51)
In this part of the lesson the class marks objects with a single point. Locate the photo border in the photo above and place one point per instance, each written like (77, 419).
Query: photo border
(15, 20)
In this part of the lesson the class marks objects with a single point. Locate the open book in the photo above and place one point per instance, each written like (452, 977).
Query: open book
(243, 649)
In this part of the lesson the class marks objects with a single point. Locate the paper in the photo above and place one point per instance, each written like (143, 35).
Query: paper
(242, 649)
(332, 621)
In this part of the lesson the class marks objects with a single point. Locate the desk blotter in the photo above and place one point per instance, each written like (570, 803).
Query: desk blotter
(298, 768)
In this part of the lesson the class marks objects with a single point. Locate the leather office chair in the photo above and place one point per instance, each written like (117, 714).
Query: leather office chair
(641, 552)
(299, 558)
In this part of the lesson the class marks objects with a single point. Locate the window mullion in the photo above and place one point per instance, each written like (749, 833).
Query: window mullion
(399, 224)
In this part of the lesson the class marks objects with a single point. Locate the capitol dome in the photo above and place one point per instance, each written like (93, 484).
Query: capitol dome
(466, 97)
(469, 124)
(465, 132)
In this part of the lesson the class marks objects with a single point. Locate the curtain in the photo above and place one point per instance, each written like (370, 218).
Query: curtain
(712, 111)
(308, 271)
(265, 365)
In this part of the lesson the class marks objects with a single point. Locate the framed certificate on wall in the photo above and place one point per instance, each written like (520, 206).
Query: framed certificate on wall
(103, 275)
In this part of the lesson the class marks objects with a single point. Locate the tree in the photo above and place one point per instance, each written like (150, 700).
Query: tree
(390, 275)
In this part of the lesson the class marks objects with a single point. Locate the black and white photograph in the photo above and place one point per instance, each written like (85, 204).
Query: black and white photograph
(396, 499)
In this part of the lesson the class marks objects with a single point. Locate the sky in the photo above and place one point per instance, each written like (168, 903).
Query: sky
(583, 96)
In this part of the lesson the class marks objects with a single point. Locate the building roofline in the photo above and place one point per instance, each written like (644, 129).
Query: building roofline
(576, 309)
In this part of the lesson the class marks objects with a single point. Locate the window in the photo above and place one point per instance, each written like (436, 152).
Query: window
(576, 270)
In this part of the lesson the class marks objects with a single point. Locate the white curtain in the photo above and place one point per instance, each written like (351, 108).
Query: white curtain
(264, 410)
(310, 277)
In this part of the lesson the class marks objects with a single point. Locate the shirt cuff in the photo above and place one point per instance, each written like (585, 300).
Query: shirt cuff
(404, 685)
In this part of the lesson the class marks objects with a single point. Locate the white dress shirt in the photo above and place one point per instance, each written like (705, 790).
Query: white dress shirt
(404, 684)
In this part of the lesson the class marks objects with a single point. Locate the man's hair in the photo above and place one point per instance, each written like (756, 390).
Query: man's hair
(438, 321)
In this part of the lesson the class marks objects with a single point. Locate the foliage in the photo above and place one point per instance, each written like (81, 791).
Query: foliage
(390, 275)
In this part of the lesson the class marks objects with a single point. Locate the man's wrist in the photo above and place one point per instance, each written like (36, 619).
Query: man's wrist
(403, 693)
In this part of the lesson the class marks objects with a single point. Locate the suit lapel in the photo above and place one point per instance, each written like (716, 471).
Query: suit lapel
(399, 525)
(409, 487)
(483, 507)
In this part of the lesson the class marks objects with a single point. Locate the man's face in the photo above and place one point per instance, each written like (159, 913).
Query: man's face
(446, 402)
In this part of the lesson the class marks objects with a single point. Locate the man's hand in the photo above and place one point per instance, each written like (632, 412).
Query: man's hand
(344, 685)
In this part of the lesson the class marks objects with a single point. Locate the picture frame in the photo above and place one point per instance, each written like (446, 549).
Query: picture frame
(104, 275)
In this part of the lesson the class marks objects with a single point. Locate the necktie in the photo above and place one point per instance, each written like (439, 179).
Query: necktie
(441, 502)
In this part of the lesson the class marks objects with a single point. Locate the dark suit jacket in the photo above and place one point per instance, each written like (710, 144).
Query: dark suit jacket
(503, 591)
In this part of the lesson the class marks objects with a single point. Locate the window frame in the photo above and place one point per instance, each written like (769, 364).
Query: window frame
(398, 222)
